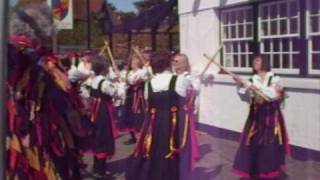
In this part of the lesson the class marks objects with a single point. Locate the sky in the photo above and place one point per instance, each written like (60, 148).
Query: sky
(123, 5)
(12, 2)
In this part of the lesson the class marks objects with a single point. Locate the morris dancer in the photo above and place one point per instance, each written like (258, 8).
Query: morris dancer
(42, 110)
(135, 103)
(264, 141)
(119, 102)
(166, 134)
(180, 66)
(101, 143)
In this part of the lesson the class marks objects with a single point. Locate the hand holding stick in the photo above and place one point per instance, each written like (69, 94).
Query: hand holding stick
(139, 55)
(237, 78)
(102, 51)
(141, 58)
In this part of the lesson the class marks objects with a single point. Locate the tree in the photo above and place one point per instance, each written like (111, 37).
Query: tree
(146, 4)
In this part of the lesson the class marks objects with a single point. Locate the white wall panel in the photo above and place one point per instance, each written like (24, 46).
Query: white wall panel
(220, 105)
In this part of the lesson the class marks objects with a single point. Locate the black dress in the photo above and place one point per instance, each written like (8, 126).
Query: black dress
(264, 141)
(101, 142)
(134, 109)
(158, 153)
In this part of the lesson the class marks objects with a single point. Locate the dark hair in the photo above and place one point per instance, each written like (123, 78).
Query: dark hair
(265, 63)
(99, 64)
(160, 61)
(66, 62)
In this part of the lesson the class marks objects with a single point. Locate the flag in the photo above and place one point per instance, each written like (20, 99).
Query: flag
(63, 13)
(60, 9)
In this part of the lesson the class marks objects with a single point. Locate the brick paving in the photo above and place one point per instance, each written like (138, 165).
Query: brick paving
(216, 160)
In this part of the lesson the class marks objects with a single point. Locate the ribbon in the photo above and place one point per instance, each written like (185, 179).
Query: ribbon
(148, 138)
(252, 131)
(172, 148)
(96, 106)
(277, 128)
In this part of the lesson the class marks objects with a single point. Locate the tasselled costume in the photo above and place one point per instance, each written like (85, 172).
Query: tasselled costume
(43, 114)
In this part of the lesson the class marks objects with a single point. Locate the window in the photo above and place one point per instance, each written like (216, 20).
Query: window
(275, 29)
(279, 34)
(313, 35)
(237, 37)
(279, 19)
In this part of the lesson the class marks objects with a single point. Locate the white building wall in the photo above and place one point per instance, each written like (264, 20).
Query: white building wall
(194, 6)
(200, 36)
(220, 104)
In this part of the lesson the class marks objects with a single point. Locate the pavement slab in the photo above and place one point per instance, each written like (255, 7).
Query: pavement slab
(217, 155)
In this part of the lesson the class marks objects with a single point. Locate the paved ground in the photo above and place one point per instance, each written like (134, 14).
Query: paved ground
(215, 163)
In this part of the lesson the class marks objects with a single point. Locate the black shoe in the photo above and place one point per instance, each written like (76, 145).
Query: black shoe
(131, 141)
(106, 176)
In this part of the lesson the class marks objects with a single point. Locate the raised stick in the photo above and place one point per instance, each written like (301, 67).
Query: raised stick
(139, 55)
(258, 92)
(113, 63)
(211, 61)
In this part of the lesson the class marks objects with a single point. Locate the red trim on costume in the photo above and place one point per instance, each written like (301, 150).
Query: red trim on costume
(22, 41)
(11, 114)
(13, 159)
(195, 152)
(96, 154)
(272, 174)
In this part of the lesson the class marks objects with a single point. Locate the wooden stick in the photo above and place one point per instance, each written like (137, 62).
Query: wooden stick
(103, 49)
(141, 58)
(211, 61)
(113, 63)
(139, 55)
(219, 65)
(258, 92)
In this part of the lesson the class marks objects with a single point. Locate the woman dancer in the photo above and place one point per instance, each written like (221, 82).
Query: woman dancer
(101, 143)
(135, 104)
(163, 147)
(264, 142)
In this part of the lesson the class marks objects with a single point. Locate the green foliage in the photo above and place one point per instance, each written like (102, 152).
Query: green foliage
(78, 36)
(146, 4)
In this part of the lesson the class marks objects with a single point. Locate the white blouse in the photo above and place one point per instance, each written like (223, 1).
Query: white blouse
(262, 85)
(142, 74)
(107, 87)
(79, 73)
(161, 82)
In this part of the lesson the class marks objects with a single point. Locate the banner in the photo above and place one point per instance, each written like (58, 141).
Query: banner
(63, 13)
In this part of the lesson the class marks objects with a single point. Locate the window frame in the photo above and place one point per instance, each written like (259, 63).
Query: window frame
(237, 40)
(309, 36)
(304, 67)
